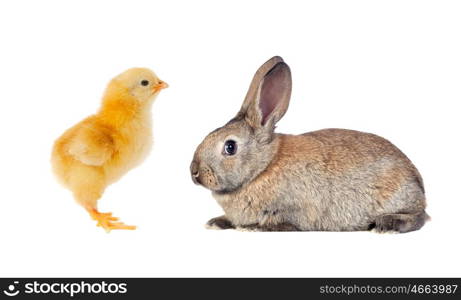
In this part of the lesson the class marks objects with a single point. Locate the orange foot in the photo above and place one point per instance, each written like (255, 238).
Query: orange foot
(107, 221)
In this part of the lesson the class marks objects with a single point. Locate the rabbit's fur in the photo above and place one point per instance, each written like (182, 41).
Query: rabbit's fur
(330, 180)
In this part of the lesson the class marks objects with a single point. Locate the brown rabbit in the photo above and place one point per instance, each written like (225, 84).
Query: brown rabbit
(326, 180)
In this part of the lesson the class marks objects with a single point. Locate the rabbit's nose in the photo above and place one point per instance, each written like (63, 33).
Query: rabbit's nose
(194, 171)
(194, 168)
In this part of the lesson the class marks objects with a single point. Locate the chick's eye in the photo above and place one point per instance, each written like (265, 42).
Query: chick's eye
(230, 147)
(144, 82)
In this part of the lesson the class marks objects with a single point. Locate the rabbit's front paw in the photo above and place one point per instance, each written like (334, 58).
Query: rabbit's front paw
(219, 223)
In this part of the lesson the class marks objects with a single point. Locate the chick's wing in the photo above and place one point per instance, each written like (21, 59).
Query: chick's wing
(92, 145)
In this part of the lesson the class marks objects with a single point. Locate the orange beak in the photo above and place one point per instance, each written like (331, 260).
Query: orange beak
(160, 86)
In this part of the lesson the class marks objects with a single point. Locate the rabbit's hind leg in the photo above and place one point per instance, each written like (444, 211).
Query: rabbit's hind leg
(401, 223)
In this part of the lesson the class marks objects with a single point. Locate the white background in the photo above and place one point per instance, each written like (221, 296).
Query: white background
(388, 67)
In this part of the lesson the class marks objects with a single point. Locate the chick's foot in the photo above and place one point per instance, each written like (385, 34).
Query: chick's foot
(108, 222)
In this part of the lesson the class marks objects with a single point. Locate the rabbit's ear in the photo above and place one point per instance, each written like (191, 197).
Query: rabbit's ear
(270, 101)
(259, 75)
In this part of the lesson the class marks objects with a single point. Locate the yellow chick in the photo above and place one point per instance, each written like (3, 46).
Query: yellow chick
(103, 147)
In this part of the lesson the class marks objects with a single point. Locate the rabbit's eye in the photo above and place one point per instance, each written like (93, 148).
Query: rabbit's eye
(144, 82)
(230, 147)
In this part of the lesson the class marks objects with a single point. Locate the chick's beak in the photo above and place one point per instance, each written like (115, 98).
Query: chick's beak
(160, 86)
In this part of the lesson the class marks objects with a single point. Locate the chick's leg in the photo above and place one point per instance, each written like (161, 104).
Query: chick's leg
(107, 221)
(87, 195)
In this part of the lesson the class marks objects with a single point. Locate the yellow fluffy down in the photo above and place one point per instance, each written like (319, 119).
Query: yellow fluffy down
(103, 147)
